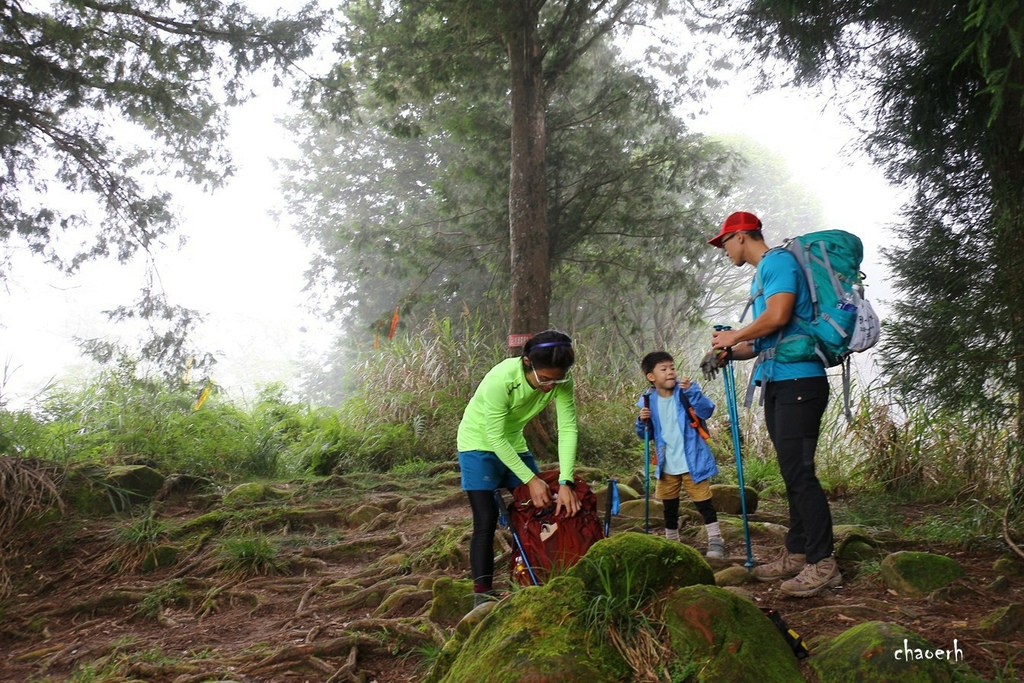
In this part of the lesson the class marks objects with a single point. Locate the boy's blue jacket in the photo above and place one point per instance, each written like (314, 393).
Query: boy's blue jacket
(698, 454)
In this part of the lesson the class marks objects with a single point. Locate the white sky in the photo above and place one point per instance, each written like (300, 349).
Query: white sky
(244, 271)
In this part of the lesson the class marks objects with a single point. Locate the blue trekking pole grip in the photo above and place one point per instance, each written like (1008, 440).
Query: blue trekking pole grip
(729, 379)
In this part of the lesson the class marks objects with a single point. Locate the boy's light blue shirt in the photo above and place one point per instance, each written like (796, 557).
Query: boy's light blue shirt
(675, 454)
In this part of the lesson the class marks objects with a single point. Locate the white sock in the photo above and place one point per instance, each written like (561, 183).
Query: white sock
(672, 534)
(714, 531)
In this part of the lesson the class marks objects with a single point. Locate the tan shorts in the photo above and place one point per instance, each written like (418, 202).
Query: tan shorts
(669, 485)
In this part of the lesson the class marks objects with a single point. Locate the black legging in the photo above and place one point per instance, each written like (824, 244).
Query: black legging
(705, 507)
(481, 544)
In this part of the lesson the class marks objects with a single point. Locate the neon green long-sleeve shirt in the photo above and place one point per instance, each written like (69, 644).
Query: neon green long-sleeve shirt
(499, 410)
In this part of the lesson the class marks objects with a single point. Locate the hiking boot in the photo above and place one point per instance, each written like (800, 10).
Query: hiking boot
(813, 578)
(716, 549)
(785, 566)
(482, 598)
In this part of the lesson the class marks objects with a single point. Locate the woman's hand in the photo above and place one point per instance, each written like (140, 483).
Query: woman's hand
(540, 494)
(567, 501)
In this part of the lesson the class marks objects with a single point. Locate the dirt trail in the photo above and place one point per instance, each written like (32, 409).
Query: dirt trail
(318, 619)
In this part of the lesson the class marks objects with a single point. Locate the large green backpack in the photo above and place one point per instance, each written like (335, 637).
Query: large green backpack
(843, 321)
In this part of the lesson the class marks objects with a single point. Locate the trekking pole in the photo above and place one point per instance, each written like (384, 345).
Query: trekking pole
(729, 379)
(647, 463)
(506, 521)
(612, 507)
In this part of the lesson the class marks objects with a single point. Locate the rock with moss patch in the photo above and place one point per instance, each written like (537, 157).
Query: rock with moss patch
(733, 576)
(856, 550)
(880, 652)
(1009, 565)
(403, 600)
(631, 563)
(625, 494)
(134, 483)
(363, 514)
(916, 574)
(253, 492)
(452, 599)
(559, 631)
(536, 634)
(855, 543)
(1003, 621)
(726, 498)
(719, 636)
(637, 509)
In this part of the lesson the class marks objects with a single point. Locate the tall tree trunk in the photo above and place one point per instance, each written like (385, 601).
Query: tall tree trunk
(1008, 215)
(527, 202)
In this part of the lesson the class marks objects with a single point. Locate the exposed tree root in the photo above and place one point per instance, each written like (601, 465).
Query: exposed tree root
(1006, 531)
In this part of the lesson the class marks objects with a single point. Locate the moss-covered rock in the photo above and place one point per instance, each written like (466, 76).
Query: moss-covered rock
(726, 498)
(879, 652)
(363, 514)
(134, 483)
(733, 576)
(855, 543)
(401, 600)
(632, 563)
(856, 550)
(99, 491)
(252, 492)
(916, 574)
(452, 599)
(557, 631)
(1009, 565)
(1003, 621)
(626, 494)
(719, 636)
(639, 507)
(536, 634)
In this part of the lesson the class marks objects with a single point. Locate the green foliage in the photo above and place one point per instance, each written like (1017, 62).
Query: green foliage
(409, 395)
(623, 618)
(173, 592)
(76, 75)
(423, 92)
(247, 556)
(915, 450)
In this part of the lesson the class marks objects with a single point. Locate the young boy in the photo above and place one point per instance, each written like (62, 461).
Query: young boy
(683, 457)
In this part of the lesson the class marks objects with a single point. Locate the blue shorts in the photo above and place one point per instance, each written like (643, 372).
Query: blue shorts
(484, 471)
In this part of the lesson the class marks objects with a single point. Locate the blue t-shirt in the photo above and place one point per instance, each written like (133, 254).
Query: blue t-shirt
(675, 455)
(779, 272)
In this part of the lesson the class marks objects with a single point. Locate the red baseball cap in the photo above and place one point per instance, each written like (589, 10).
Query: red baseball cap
(741, 221)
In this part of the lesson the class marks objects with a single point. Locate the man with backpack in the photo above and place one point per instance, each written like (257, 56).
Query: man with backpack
(795, 392)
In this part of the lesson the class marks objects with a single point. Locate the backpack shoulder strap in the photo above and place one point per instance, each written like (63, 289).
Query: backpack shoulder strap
(697, 423)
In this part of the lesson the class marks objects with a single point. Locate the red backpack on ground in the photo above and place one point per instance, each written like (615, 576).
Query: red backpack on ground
(551, 544)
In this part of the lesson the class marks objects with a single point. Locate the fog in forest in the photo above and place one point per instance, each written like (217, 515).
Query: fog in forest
(242, 267)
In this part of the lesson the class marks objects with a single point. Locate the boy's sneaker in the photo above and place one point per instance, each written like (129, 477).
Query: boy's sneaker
(672, 534)
(813, 579)
(785, 566)
(716, 549)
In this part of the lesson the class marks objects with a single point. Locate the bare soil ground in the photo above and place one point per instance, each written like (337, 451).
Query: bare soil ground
(74, 616)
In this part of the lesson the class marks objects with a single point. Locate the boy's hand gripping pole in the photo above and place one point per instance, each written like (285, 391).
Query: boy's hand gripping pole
(729, 379)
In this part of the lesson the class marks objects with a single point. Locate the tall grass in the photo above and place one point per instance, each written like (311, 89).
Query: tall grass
(409, 397)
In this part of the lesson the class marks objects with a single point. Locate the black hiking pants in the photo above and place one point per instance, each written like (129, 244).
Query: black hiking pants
(793, 410)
